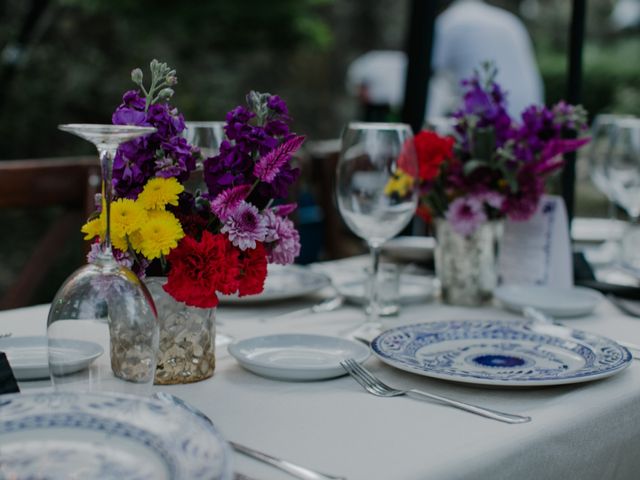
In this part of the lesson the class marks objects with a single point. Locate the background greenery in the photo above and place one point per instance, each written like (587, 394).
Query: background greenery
(69, 61)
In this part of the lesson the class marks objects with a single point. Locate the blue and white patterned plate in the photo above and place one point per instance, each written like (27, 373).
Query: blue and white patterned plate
(65, 435)
(501, 352)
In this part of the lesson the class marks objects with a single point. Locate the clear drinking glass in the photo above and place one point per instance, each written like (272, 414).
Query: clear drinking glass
(623, 172)
(376, 191)
(102, 327)
(599, 147)
(207, 136)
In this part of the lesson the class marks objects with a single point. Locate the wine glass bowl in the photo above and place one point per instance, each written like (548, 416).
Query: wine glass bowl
(102, 326)
(375, 188)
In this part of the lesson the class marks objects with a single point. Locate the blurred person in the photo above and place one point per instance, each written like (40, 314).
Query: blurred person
(377, 79)
(470, 32)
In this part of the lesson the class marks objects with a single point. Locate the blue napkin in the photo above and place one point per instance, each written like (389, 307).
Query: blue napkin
(8, 382)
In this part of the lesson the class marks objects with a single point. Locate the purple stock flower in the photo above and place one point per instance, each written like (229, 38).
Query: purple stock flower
(277, 105)
(268, 167)
(245, 226)
(466, 214)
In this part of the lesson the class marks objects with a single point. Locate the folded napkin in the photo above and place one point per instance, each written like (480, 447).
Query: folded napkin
(8, 382)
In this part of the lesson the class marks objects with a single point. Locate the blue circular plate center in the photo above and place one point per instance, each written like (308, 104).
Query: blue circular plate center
(499, 361)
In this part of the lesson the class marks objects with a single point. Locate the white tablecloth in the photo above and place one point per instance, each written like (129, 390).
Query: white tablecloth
(583, 431)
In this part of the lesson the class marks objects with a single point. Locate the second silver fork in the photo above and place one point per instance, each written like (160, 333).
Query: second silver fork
(375, 386)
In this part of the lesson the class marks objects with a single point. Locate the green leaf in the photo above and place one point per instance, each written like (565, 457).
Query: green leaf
(484, 143)
(473, 164)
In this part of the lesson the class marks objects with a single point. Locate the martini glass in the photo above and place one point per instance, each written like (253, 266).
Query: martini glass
(102, 326)
(373, 157)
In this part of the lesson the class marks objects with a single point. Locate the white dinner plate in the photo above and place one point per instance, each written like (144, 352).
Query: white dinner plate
(28, 356)
(411, 289)
(297, 356)
(410, 248)
(112, 437)
(283, 283)
(514, 353)
(554, 301)
(594, 230)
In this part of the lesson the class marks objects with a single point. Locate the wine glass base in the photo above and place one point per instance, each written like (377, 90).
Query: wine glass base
(222, 340)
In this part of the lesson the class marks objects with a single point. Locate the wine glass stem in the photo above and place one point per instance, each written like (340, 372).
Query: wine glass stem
(106, 165)
(373, 310)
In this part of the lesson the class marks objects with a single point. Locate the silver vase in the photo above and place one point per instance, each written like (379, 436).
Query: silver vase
(466, 265)
(187, 338)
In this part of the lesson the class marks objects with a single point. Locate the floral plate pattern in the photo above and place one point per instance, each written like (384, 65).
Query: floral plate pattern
(501, 352)
(66, 435)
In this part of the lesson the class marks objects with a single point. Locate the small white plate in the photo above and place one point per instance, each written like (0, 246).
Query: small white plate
(412, 289)
(283, 283)
(297, 356)
(410, 248)
(28, 356)
(594, 230)
(557, 302)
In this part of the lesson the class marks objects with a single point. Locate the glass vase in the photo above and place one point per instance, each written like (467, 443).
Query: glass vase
(467, 265)
(186, 351)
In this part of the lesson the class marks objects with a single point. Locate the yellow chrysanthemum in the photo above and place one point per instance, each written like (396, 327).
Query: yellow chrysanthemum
(160, 192)
(93, 228)
(159, 235)
(401, 183)
(126, 216)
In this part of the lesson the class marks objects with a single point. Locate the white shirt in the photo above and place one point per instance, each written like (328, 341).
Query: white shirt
(470, 32)
(383, 73)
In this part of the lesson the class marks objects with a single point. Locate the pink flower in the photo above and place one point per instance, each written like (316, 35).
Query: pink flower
(283, 240)
(245, 226)
(493, 199)
(466, 214)
(268, 167)
(227, 201)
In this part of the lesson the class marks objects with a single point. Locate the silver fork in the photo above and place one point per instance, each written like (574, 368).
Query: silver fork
(5, 335)
(376, 387)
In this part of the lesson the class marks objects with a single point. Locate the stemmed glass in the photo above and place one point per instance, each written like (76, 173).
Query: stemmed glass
(374, 157)
(207, 136)
(623, 173)
(102, 326)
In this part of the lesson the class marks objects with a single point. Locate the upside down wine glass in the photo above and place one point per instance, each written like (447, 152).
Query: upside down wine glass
(102, 327)
(376, 192)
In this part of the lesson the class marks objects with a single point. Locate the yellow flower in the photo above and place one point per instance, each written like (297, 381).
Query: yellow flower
(93, 228)
(400, 183)
(126, 216)
(158, 235)
(158, 192)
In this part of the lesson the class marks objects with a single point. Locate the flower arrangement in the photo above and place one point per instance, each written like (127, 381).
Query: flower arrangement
(206, 242)
(493, 166)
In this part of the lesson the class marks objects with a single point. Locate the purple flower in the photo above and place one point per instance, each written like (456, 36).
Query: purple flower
(245, 226)
(268, 167)
(226, 202)
(466, 214)
(283, 240)
(493, 199)
(277, 105)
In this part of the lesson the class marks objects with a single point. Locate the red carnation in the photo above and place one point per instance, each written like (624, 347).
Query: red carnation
(200, 269)
(432, 150)
(253, 270)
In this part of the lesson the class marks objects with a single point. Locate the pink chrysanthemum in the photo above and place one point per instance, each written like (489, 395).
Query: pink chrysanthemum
(283, 238)
(245, 226)
(466, 214)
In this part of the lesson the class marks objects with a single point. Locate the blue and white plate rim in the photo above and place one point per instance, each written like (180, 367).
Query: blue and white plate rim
(525, 325)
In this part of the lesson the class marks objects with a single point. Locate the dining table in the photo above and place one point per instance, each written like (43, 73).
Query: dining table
(587, 430)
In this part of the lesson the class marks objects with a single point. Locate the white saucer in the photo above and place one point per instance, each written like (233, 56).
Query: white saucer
(297, 356)
(410, 248)
(28, 356)
(554, 301)
(412, 289)
(594, 230)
